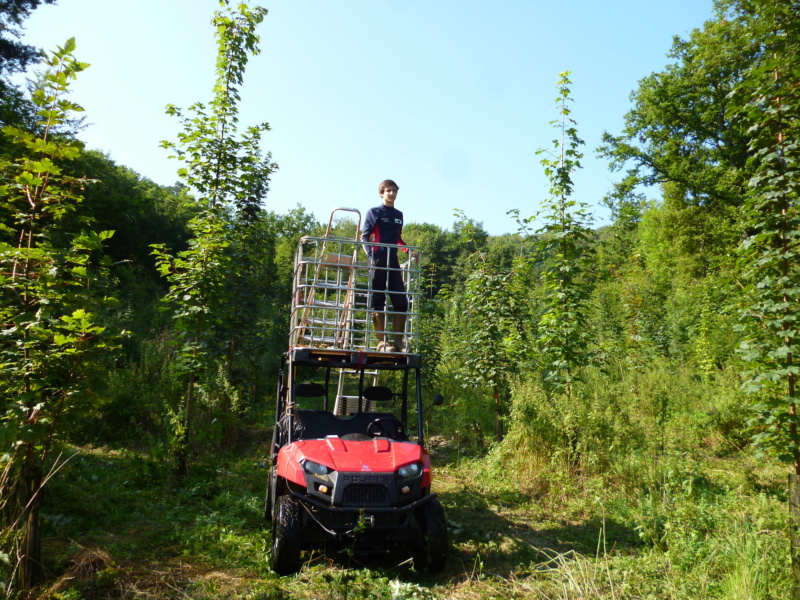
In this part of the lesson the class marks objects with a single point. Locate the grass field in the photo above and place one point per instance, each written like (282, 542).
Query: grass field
(118, 526)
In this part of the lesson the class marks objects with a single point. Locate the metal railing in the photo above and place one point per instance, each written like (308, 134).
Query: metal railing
(332, 296)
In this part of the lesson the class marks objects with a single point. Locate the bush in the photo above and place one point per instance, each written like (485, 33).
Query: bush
(619, 420)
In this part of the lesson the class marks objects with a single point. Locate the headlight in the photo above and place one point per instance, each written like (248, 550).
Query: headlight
(315, 468)
(410, 471)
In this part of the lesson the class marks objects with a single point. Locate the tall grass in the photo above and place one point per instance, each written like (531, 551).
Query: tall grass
(622, 423)
(662, 453)
(642, 487)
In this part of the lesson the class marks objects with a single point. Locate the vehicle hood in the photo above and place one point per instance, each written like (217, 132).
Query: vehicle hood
(373, 456)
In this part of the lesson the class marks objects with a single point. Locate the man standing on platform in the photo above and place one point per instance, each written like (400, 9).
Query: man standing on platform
(384, 225)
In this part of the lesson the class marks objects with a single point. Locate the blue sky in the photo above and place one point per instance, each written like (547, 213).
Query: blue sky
(449, 98)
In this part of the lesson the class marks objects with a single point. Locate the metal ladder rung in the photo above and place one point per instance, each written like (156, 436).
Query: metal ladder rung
(350, 405)
(346, 404)
(329, 286)
(323, 304)
(366, 404)
(318, 339)
(329, 322)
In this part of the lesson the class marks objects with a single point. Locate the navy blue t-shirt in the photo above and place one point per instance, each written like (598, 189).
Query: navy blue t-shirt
(386, 223)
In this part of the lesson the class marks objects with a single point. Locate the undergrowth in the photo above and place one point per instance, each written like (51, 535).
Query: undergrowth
(118, 527)
(676, 506)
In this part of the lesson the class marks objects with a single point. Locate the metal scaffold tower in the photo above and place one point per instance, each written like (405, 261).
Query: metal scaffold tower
(331, 314)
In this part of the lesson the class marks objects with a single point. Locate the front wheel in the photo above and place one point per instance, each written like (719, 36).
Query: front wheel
(431, 551)
(287, 532)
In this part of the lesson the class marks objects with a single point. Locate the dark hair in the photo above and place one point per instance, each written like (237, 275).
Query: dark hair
(386, 183)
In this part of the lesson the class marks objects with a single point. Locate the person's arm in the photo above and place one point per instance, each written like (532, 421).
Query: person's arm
(367, 229)
(400, 241)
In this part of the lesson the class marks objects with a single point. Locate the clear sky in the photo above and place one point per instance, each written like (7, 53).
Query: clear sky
(450, 98)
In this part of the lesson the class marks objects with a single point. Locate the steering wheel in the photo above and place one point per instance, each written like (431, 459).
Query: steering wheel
(380, 427)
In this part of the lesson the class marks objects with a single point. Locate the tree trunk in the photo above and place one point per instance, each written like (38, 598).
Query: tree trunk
(498, 418)
(31, 559)
(794, 530)
(31, 563)
(183, 451)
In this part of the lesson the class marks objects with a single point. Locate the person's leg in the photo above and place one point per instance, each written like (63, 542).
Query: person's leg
(397, 293)
(379, 327)
(399, 328)
(379, 302)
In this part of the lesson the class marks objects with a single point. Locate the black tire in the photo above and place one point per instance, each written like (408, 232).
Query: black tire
(287, 535)
(431, 553)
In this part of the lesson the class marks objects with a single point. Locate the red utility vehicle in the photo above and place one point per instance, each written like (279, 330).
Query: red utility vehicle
(349, 466)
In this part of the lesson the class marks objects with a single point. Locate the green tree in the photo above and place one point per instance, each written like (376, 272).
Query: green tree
(441, 254)
(15, 57)
(562, 336)
(679, 131)
(225, 167)
(681, 137)
(230, 177)
(50, 277)
(140, 211)
(769, 254)
(769, 102)
(487, 345)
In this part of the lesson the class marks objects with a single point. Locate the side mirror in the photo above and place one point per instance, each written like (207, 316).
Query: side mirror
(438, 400)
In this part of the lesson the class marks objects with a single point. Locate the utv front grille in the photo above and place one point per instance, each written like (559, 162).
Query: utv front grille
(365, 495)
(351, 520)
